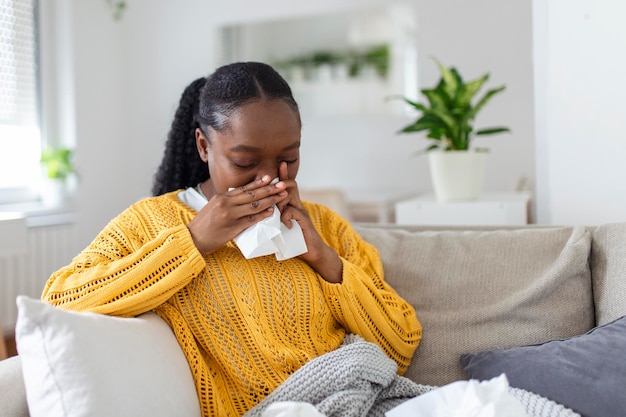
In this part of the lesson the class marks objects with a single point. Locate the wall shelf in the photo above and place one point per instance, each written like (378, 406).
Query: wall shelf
(321, 90)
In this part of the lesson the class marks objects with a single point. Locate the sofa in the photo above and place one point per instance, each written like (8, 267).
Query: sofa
(543, 305)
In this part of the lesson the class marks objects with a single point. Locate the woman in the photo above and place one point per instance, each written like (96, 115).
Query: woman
(245, 325)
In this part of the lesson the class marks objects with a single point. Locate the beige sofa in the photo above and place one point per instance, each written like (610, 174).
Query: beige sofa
(486, 290)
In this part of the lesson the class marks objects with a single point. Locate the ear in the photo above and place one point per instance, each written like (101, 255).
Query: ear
(202, 143)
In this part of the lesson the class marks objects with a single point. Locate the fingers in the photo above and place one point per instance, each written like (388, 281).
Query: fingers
(283, 171)
(291, 186)
(257, 189)
(254, 201)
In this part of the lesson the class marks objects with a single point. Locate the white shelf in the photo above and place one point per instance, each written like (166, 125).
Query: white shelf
(498, 209)
(350, 97)
(374, 206)
(325, 90)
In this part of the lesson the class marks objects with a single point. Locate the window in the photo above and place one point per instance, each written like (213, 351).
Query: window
(20, 138)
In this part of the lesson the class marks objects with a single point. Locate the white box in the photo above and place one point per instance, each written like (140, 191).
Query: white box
(501, 209)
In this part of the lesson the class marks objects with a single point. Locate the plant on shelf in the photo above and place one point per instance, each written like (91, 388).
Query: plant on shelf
(378, 57)
(346, 63)
(57, 163)
(57, 169)
(449, 116)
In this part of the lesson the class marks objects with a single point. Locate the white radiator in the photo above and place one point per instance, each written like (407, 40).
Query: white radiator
(48, 247)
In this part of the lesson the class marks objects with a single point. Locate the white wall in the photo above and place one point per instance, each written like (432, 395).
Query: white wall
(128, 77)
(581, 134)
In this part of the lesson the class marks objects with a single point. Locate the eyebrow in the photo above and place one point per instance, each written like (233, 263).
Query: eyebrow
(247, 148)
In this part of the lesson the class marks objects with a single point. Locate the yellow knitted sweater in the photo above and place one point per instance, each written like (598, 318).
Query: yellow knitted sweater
(244, 325)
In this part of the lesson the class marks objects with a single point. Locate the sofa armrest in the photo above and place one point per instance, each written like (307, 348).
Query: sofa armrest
(608, 271)
(12, 389)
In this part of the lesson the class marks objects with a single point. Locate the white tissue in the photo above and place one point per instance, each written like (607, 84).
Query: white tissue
(464, 399)
(271, 236)
(291, 409)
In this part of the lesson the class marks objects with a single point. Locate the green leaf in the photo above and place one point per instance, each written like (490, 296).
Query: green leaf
(450, 80)
(436, 133)
(446, 122)
(485, 99)
(436, 99)
(492, 130)
(469, 90)
(427, 122)
(418, 106)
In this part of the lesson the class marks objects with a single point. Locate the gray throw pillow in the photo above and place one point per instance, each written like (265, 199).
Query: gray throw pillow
(585, 373)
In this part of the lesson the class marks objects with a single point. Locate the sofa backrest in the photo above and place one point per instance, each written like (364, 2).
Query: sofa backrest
(486, 288)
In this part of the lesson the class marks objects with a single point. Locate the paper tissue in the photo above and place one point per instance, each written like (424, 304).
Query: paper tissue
(471, 398)
(271, 236)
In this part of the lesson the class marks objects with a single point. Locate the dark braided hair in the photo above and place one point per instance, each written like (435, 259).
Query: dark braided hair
(208, 103)
(181, 165)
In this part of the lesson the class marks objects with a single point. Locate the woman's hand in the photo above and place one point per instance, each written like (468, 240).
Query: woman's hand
(319, 255)
(228, 214)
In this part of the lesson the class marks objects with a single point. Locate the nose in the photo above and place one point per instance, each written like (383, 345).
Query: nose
(270, 168)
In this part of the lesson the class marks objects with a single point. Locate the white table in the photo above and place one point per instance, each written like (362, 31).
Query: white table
(490, 209)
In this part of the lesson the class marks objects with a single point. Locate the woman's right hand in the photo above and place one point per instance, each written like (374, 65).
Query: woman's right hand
(228, 214)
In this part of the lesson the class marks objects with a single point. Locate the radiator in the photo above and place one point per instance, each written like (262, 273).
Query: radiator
(48, 247)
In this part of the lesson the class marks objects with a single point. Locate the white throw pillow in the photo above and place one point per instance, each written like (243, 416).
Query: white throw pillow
(86, 364)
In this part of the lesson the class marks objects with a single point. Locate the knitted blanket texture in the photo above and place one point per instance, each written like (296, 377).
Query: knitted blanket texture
(359, 380)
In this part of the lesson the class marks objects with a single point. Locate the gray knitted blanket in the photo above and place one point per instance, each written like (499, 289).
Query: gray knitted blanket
(359, 380)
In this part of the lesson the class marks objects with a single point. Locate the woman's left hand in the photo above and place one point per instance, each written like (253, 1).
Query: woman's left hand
(319, 255)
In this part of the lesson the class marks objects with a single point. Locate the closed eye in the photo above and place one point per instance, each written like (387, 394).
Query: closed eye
(245, 166)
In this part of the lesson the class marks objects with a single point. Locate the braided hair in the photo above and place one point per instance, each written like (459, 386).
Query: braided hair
(207, 104)
(181, 165)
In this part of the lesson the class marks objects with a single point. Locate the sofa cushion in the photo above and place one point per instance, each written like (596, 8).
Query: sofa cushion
(483, 289)
(584, 373)
(85, 364)
(608, 270)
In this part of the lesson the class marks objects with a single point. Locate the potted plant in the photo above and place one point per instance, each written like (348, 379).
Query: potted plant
(57, 168)
(457, 169)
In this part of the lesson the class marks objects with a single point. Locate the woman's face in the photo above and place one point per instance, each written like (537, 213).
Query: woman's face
(261, 134)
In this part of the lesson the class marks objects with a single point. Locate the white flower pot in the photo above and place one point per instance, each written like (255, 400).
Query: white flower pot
(53, 193)
(457, 175)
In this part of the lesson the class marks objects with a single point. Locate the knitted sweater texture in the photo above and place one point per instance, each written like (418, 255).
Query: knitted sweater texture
(244, 325)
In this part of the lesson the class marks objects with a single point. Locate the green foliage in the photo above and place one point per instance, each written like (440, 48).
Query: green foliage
(376, 56)
(117, 8)
(57, 162)
(448, 118)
